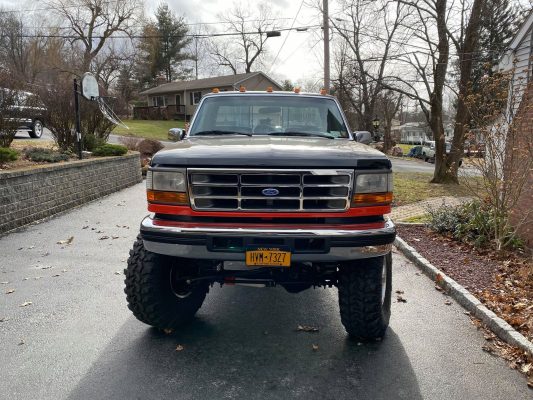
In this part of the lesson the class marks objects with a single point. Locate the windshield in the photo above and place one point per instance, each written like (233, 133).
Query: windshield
(270, 115)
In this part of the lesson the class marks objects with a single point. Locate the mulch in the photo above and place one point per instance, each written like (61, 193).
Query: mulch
(503, 282)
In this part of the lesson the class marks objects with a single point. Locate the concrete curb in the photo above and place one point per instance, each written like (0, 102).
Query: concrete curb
(501, 328)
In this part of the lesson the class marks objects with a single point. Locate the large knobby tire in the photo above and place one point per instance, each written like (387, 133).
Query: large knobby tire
(36, 129)
(150, 293)
(365, 297)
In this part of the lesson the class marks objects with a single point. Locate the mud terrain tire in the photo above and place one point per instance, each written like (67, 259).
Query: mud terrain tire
(149, 290)
(364, 307)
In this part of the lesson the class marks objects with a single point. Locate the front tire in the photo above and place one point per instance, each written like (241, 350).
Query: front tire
(152, 291)
(36, 129)
(365, 288)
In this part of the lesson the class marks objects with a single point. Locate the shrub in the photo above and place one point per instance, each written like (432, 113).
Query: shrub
(148, 147)
(131, 142)
(39, 154)
(91, 142)
(108, 150)
(473, 222)
(7, 154)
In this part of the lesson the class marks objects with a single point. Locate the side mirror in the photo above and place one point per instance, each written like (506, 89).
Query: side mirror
(176, 134)
(363, 137)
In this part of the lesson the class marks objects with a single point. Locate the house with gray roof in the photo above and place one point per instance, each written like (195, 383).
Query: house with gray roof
(178, 100)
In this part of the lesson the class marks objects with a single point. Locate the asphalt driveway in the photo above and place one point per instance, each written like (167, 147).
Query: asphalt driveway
(78, 340)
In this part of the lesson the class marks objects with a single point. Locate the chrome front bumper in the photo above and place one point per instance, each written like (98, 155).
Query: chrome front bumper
(181, 240)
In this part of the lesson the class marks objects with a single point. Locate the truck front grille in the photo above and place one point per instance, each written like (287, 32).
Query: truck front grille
(284, 190)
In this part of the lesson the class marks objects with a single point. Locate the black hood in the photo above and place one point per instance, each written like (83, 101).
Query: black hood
(268, 151)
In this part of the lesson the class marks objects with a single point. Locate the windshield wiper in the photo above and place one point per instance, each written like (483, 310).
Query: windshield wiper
(296, 133)
(219, 132)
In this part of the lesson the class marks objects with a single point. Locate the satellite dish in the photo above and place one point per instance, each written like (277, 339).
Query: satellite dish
(89, 87)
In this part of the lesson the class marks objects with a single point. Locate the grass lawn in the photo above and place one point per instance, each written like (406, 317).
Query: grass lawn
(410, 187)
(405, 147)
(148, 128)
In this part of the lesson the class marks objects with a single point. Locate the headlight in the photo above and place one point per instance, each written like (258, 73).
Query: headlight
(167, 187)
(372, 189)
(373, 183)
(170, 181)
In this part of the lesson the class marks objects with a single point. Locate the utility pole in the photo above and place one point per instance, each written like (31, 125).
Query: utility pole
(326, 45)
(196, 56)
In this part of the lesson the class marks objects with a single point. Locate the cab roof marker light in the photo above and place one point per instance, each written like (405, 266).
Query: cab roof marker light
(269, 89)
(215, 90)
(323, 92)
(242, 89)
(297, 90)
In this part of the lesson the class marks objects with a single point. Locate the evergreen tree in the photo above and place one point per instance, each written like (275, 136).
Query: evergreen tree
(497, 29)
(162, 48)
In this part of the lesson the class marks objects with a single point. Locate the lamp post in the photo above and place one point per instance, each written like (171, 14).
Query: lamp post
(375, 124)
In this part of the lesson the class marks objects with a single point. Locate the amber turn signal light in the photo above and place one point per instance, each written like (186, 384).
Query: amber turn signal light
(371, 198)
(177, 198)
(242, 89)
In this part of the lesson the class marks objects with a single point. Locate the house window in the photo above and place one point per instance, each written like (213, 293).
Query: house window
(195, 97)
(178, 99)
(159, 101)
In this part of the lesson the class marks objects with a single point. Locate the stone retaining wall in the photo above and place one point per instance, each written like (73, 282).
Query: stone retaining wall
(29, 195)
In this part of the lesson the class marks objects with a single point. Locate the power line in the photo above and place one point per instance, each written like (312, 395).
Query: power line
(201, 35)
(286, 37)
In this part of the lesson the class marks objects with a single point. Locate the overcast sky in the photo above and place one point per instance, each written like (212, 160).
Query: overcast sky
(301, 57)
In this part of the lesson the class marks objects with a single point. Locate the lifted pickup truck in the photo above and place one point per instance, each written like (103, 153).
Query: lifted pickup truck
(266, 189)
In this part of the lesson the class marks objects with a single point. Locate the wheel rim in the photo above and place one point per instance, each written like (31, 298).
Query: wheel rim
(38, 129)
(178, 285)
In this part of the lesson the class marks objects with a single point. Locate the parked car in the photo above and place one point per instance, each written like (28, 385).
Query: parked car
(27, 109)
(415, 152)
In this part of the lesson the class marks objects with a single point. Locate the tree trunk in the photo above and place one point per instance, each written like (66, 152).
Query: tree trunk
(462, 117)
(435, 123)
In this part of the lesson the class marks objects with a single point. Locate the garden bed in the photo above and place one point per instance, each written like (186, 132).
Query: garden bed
(503, 282)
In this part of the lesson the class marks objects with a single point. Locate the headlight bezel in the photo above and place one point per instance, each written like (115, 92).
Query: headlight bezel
(167, 180)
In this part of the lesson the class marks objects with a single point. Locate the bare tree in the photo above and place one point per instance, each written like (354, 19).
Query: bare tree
(91, 23)
(388, 104)
(242, 52)
(368, 34)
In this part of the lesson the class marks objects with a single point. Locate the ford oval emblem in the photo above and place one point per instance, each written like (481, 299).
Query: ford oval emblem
(270, 192)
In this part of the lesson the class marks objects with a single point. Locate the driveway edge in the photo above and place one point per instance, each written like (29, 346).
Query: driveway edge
(466, 299)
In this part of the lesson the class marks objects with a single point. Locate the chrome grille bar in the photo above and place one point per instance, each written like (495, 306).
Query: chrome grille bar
(294, 190)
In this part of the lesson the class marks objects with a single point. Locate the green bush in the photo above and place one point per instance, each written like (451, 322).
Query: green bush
(91, 142)
(39, 154)
(472, 222)
(7, 154)
(107, 150)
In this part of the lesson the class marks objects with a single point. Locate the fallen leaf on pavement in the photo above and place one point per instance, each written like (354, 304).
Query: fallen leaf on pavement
(31, 247)
(64, 270)
(437, 287)
(179, 347)
(118, 273)
(4, 282)
(306, 328)
(67, 241)
(400, 292)
(3, 319)
(55, 275)
(315, 347)
(25, 279)
(530, 382)
(167, 331)
(115, 237)
(10, 291)
(439, 279)
(85, 227)
(47, 267)
(401, 299)
(21, 342)
(103, 238)
(26, 303)
(448, 302)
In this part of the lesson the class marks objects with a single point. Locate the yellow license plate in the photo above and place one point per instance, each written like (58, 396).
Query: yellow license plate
(268, 257)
